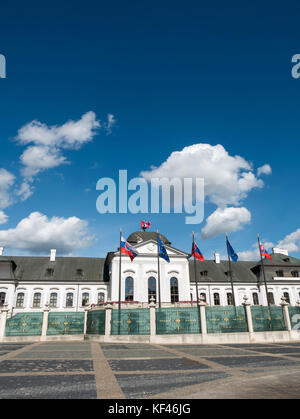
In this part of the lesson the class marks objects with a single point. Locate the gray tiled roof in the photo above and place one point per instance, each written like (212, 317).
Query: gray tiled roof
(64, 268)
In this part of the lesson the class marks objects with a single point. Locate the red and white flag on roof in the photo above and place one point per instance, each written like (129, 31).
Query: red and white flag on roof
(145, 224)
(264, 252)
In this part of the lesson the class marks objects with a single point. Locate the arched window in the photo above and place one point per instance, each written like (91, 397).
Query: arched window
(69, 299)
(85, 299)
(20, 299)
(2, 298)
(53, 299)
(229, 299)
(271, 298)
(255, 298)
(174, 290)
(216, 299)
(203, 295)
(129, 289)
(287, 297)
(37, 299)
(101, 297)
(151, 288)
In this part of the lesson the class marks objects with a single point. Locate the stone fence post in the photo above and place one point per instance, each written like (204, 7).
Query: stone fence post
(86, 310)
(108, 309)
(45, 321)
(152, 307)
(202, 307)
(247, 306)
(3, 317)
(285, 308)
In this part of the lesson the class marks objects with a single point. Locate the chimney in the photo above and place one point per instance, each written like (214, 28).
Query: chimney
(52, 255)
(1, 251)
(281, 251)
(217, 257)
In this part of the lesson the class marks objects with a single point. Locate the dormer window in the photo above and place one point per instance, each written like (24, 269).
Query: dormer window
(49, 272)
(295, 274)
(286, 259)
(204, 273)
(279, 273)
(79, 272)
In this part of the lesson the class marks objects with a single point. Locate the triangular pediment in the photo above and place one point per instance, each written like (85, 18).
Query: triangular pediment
(150, 248)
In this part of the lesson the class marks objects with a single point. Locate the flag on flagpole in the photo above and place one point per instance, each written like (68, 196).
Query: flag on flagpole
(145, 224)
(127, 249)
(196, 252)
(231, 252)
(162, 250)
(264, 252)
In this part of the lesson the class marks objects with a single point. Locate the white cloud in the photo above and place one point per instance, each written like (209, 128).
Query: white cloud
(291, 242)
(228, 179)
(3, 217)
(7, 180)
(25, 191)
(264, 170)
(37, 234)
(46, 144)
(224, 220)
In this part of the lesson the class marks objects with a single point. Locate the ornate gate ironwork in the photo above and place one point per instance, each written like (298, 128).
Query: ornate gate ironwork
(24, 324)
(178, 320)
(130, 322)
(226, 319)
(267, 318)
(294, 313)
(96, 322)
(65, 323)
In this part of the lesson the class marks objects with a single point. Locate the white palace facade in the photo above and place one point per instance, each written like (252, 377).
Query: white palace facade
(27, 283)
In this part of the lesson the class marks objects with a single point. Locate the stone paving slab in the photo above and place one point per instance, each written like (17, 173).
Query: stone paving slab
(12, 366)
(253, 361)
(137, 354)
(53, 354)
(277, 350)
(143, 385)
(156, 364)
(48, 387)
(212, 351)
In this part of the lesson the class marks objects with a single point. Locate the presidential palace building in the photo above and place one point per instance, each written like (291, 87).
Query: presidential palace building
(73, 283)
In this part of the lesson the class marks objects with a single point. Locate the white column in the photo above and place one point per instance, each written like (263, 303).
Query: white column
(3, 318)
(284, 304)
(45, 321)
(152, 306)
(86, 310)
(202, 307)
(108, 309)
(247, 306)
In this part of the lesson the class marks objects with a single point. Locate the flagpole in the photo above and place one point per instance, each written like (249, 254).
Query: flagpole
(120, 271)
(195, 266)
(158, 273)
(263, 270)
(230, 272)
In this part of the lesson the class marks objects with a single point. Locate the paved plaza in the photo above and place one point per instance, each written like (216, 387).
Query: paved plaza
(88, 370)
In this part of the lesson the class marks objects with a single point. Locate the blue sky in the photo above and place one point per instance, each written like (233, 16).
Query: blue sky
(173, 74)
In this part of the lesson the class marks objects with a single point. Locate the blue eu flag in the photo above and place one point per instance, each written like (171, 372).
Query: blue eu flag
(231, 252)
(162, 250)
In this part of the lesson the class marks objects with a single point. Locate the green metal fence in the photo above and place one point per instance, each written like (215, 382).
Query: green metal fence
(178, 320)
(130, 322)
(24, 324)
(294, 313)
(96, 322)
(226, 319)
(267, 318)
(65, 323)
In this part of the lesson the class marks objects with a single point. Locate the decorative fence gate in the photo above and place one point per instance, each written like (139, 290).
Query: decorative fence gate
(24, 324)
(65, 323)
(130, 322)
(226, 319)
(178, 320)
(96, 322)
(294, 313)
(267, 318)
